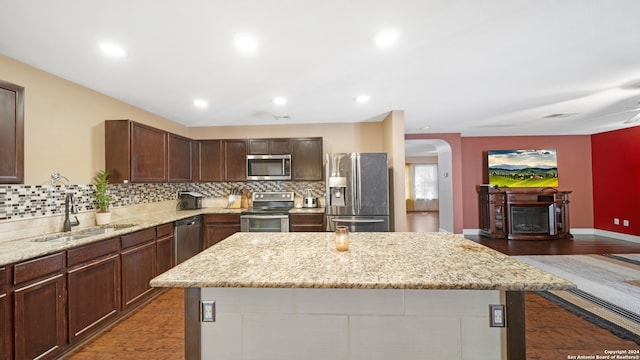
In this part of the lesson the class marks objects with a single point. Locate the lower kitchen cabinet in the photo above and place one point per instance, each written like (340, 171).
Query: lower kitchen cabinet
(138, 258)
(5, 318)
(164, 248)
(40, 329)
(306, 222)
(93, 287)
(218, 227)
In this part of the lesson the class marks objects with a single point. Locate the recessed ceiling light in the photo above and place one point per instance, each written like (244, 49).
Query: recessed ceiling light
(386, 38)
(200, 103)
(246, 42)
(113, 49)
(362, 99)
(279, 100)
(426, 127)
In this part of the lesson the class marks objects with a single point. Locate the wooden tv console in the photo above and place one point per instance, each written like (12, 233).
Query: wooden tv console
(523, 213)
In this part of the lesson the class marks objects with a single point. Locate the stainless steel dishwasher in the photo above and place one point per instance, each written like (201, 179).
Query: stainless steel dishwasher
(188, 238)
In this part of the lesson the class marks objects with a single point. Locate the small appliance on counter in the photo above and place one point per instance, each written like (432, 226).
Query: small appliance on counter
(189, 200)
(310, 201)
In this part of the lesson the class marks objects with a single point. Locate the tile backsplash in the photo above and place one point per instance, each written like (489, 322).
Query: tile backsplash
(31, 201)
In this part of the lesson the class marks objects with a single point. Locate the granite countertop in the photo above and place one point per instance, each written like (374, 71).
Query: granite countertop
(21, 249)
(396, 260)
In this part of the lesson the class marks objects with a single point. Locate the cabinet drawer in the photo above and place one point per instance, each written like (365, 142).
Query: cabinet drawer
(164, 230)
(306, 219)
(92, 251)
(222, 218)
(36, 268)
(138, 237)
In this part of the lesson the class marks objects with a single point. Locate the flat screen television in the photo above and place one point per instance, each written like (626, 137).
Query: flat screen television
(523, 168)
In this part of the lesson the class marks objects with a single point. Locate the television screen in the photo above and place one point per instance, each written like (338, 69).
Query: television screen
(523, 168)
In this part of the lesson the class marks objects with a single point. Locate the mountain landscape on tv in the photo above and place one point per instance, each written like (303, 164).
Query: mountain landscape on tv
(523, 168)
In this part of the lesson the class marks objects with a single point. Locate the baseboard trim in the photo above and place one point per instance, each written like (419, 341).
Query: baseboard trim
(580, 231)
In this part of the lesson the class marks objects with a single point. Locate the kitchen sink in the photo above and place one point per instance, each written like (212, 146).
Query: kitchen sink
(81, 234)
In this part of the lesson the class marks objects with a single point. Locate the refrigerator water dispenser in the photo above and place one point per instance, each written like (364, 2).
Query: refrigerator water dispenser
(337, 190)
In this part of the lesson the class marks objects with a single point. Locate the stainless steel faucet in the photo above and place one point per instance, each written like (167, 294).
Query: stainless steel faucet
(70, 206)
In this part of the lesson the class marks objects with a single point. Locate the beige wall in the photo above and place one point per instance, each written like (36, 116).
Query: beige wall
(64, 124)
(393, 139)
(337, 137)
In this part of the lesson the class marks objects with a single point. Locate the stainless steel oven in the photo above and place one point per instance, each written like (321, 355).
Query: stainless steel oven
(270, 212)
(264, 223)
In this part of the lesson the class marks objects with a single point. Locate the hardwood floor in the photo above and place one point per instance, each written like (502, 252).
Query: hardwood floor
(423, 221)
(156, 331)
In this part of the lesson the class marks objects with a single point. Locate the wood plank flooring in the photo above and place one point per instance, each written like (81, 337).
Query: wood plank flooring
(156, 331)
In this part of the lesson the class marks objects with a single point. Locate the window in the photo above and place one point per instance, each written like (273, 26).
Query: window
(425, 181)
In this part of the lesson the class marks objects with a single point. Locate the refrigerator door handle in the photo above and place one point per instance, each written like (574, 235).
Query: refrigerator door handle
(357, 220)
(355, 199)
(358, 183)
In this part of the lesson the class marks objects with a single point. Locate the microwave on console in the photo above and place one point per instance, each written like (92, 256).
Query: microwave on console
(269, 167)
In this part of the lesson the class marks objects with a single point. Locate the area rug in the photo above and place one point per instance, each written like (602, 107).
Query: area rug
(608, 288)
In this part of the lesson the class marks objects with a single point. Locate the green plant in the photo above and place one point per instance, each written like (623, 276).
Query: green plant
(103, 199)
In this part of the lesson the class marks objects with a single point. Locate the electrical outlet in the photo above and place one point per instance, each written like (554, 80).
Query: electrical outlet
(616, 221)
(208, 311)
(496, 316)
(625, 222)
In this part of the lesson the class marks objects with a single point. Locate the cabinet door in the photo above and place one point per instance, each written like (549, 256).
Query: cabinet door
(164, 254)
(280, 146)
(235, 163)
(138, 268)
(148, 154)
(195, 161)
(11, 133)
(5, 318)
(306, 159)
(219, 227)
(93, 292)
(179, 158)
(258, 147)
(211, 160)
(40, 319)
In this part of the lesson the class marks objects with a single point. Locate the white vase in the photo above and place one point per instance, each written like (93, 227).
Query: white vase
(103, 218)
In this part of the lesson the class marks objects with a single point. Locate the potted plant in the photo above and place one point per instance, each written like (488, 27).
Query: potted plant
(103, 199)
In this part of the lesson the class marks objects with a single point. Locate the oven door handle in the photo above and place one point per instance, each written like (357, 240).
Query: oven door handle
(264, 217)
(358, 220)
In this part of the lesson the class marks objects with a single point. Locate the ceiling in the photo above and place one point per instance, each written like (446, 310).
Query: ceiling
(473, 67)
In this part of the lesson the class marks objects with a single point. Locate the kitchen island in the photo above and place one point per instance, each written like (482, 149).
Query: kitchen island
(391, 295)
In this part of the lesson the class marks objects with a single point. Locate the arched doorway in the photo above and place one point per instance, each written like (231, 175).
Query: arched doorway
(420, 147)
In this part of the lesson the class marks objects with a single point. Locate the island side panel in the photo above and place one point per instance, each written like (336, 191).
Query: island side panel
(253, 323)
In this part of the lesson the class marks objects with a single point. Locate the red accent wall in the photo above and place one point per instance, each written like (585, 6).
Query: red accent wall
(616, 180)
(574, 171)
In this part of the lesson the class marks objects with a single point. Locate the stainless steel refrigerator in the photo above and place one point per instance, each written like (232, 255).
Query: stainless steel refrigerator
(357, 191)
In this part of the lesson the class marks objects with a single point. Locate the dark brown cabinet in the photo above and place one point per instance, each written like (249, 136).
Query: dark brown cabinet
(93, 287)
(164, 248)
(135, 152)
(211, 157)
(39, 308)
(306, 222)
(180, 160)
(138, 258)
(11, 133)
(523, 213)
(5, 318)
(235, 160)
(306, 158)
(218, 227)
(269, 146)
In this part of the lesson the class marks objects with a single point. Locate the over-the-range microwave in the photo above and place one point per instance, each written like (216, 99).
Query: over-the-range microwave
(269, 167)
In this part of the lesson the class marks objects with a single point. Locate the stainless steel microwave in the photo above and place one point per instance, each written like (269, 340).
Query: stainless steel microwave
(269, 167)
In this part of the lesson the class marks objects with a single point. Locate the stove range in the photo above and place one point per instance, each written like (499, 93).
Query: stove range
(270, 212)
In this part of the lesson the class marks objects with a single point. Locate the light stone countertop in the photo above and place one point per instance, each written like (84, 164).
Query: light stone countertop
(396, 260)
(26, 248)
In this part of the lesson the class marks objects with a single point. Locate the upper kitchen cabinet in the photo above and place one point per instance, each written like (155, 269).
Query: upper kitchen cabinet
(235, 160)
(180, 158)
(211, 160)
(269, 146)
(11, 133)
(135, 152)
(306, 158)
